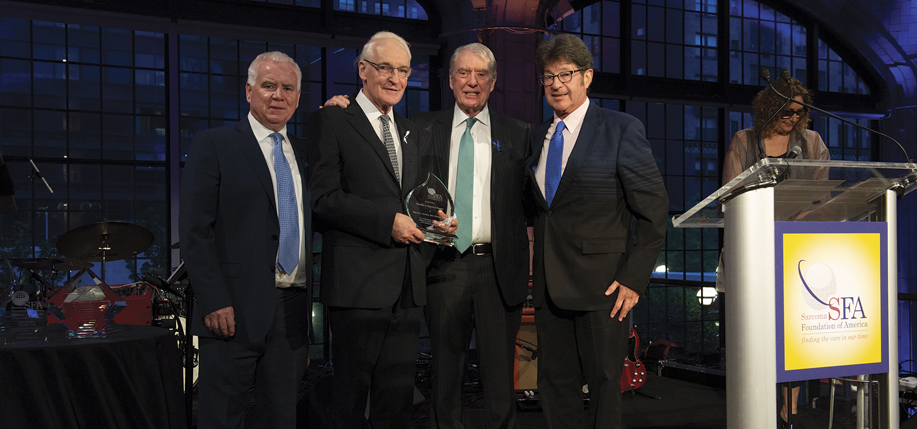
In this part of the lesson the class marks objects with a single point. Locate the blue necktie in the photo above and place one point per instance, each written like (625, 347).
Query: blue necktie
(288, 213)
(553, 168)
(464, 188)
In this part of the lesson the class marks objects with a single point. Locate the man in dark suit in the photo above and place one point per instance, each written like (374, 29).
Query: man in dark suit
(246, 240)
(482, 280)
(601, 220)
(366, 160)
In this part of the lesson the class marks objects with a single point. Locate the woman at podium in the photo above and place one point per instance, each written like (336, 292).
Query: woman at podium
(784, 134)
(776, 136)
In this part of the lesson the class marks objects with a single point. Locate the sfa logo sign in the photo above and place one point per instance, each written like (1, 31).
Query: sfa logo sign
(820, 285)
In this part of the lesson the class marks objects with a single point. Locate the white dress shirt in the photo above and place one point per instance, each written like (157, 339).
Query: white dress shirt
(372, 113)
(481, 135)
(266, 144)
(573, 123)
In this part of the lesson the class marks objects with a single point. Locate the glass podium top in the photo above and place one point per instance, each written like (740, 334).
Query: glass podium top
(808, 190)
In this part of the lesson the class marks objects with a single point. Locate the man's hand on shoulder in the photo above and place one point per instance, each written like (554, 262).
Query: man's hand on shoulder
(338, 100)
(222, 322)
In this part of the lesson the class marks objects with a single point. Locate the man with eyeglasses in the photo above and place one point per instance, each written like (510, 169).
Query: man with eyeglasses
(480, 283)
(366, 159)
(600, 223)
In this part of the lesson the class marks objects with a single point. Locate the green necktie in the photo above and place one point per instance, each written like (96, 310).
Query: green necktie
(464, 188)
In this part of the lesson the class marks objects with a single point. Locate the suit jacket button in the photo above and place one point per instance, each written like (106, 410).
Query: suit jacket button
(274, 270)
(275, 237)
(550, 213)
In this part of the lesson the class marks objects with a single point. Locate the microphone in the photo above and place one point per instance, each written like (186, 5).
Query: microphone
(38, 175)
(807, 105)
(765, 74)
(786, 76)
(794, 152)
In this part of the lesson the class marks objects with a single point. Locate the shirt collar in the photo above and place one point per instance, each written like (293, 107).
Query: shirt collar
(370, 110)
(575, 119)
(459, 117)
(261, 132)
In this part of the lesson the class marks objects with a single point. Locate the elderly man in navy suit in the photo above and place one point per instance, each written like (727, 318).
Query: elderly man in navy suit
(246, 239)
(601, 220)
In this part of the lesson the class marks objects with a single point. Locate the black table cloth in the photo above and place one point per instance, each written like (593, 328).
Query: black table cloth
(131, 379)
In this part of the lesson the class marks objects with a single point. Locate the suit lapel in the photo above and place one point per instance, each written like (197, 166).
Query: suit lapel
(442, 145)
(409, 153)
(248, 145)
(580, 151)
(537, 145)
(497, 156)
(360, 123)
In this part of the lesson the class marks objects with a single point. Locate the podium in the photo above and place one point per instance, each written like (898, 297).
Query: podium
(811, 271)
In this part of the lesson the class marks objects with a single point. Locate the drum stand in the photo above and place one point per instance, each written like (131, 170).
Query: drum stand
(188, 343)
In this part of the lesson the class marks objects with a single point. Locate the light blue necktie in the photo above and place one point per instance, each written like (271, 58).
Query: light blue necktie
(464, 188)
(288, 213)
(553, 168)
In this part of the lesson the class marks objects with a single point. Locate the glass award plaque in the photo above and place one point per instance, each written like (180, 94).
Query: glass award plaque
(85, 310)
(423, 205)
(26, 321)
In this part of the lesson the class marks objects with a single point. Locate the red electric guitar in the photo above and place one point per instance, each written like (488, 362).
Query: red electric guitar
(634, 374)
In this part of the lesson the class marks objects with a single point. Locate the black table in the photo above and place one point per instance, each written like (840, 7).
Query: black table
(131, 379)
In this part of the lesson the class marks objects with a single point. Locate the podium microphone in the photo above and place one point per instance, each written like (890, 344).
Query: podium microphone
(765, 74)
(785, 74)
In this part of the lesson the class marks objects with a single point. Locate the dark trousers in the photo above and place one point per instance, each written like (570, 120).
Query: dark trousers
(374, 354)
(462, 294)
(274, 366)
(573, 345)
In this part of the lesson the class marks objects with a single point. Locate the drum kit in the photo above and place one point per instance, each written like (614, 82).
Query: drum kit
(108, 241)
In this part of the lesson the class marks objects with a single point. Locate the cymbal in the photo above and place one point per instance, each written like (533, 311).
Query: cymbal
(111, 240)
(53, 264)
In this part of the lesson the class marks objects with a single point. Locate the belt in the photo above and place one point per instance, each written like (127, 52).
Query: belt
(479, 249)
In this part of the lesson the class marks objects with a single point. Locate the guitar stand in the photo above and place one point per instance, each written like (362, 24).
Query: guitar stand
(188, 352)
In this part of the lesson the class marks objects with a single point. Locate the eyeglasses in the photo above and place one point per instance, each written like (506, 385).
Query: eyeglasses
(465, 74)
(563, 77)
(787, 114)
(386, 70)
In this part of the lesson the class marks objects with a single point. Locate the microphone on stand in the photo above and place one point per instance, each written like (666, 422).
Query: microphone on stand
(786, 74)
(765, 74)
